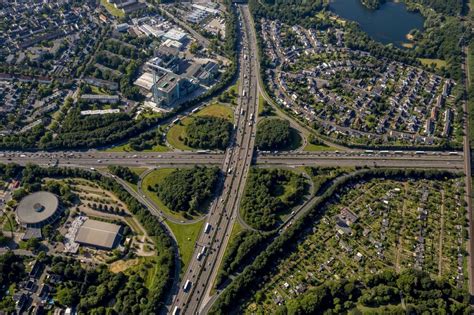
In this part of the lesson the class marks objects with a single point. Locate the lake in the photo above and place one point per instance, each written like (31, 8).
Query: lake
(389, 24)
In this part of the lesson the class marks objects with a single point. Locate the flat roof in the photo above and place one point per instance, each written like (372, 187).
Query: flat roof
(37, 207)
(98, 233)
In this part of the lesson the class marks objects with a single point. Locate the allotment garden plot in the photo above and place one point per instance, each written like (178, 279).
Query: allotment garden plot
(373, 226)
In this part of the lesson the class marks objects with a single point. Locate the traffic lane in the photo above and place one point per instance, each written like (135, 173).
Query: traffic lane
(361, 163)
(100, 162)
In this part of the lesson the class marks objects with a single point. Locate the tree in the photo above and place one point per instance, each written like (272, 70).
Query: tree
(273, 134)
(68, 296)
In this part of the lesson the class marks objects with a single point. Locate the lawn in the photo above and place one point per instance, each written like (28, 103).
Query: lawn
(112, 10)
(97, 90)
(318, 147)
(438, 62)
(260, 103)
(217, 110)
(138, 170)
(178, 131)
(157, 177)
(186, 236)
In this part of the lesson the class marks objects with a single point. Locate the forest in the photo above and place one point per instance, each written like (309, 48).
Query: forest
(208, 132)
(124, 173)
(273, 134)
(291, 12)
(245, 246)
(12, 270)
(265, 197)
(188, 189)
(383, 291)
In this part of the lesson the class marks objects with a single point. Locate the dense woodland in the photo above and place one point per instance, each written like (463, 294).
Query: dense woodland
(245, 246)
(208, 132)
(273, 134)
(383, 291)
(449, 7)
(152, 301)
(265, 197)
(282, 245)
(291, 12)
(12, 270)
(101, 291)
(188, 189)
(124, 173)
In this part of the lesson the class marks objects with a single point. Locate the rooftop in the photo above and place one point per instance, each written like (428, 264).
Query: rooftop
(37, 207)
(98, 233)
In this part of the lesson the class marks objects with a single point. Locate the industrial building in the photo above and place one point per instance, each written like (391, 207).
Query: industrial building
(38, 209)
(102, 235)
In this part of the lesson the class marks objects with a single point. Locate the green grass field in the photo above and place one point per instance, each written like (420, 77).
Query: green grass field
(112, 10)
(317, 147)
(260, 103)
(178, 131)
(186, 236)
(438, 62)
(97, 90)
(126, 148)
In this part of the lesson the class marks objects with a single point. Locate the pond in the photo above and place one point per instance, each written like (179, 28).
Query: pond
(388, 24)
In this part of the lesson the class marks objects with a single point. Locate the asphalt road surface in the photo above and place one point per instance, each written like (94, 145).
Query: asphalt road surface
(202, 270)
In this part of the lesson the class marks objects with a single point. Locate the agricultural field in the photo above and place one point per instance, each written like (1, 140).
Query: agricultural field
(374, 226)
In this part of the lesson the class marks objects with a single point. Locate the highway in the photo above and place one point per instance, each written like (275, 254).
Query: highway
(199, 277)
(96, 159)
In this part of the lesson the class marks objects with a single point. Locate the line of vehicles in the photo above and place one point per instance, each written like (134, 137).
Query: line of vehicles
(188, 284)
(385, 152)
(371, 152)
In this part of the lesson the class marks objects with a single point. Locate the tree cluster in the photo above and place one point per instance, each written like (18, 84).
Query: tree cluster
(12, 270)
(124, 173)
(262, 202)
(186, 190)
(101, 291)
(291, 12)
(208, 132)
(273, 134)
(421, 295)
(243, 248)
